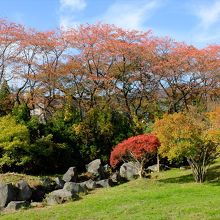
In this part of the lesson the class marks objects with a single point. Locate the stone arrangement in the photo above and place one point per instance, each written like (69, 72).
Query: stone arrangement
(62, 189)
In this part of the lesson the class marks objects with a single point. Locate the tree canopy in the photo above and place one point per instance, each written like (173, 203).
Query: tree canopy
(138, 149)
(81, 91)
(191, 135)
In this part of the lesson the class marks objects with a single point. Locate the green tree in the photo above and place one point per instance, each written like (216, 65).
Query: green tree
(14, 142)
(67, 148)
(4, 90)
(6, 103)
(21, 112)
(47, 156)
(99, 131)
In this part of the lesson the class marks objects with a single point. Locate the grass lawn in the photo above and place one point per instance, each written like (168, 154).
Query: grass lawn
(167, 195)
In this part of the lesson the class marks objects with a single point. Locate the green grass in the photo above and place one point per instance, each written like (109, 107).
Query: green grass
(167, 195)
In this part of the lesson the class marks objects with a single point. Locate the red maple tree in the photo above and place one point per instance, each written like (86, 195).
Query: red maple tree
(138, 148)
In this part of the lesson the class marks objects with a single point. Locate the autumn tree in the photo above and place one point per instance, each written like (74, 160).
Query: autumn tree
(10, 35)
(112, 67)
(138, 148)
(92, 60)
(194, 136)
(187, 75)
(132, 82)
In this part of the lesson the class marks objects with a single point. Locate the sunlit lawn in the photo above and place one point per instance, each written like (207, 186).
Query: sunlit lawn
(167, 195)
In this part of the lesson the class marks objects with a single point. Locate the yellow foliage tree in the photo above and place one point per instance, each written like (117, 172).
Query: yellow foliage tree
(14, 142)
(191, 135)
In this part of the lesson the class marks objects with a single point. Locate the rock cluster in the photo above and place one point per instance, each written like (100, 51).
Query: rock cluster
(70, 187)
(62, 189)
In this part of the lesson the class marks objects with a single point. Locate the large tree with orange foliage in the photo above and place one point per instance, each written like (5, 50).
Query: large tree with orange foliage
(187, 75)
(101, 64)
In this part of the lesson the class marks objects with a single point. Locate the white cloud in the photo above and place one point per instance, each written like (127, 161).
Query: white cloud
(208, 15)
(68, 11)
(72, 4)
(67, 22)
(207, 29)
(207, 38)
(130, 14)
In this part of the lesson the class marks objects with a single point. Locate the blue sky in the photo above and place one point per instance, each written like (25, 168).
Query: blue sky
(196, 22)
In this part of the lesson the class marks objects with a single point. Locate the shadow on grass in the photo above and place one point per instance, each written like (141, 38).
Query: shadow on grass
(213, 177)
(180, 179)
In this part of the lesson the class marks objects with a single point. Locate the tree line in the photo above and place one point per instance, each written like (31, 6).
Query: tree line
(91, 87)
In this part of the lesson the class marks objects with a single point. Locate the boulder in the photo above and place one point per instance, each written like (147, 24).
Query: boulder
(59, 182)
(15, 205)
(154, 168)
(8, 193)
(75, 188)
(95, 167)
(24, 192)
(89, 184)
(70, 175)
(59, 196)
(116, 178)
(129, 170)
(104, 183)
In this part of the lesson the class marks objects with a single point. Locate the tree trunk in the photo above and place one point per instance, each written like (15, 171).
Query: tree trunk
(141, 172)
(141, 168)
(199, 171)
(158, 163)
